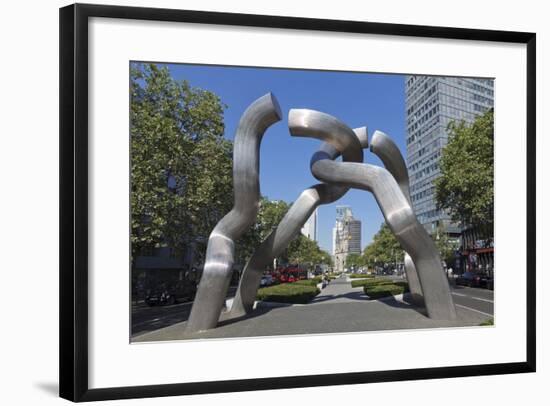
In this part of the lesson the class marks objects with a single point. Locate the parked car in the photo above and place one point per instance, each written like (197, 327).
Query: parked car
(475, 280)
(169, 294)
(267, 280)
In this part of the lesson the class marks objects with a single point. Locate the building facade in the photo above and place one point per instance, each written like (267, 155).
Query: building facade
(346, 236)
(477, 252)
(432, 102)
(309, 229)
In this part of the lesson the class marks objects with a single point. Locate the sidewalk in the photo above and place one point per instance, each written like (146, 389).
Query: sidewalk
(339, 291)
(338, 308)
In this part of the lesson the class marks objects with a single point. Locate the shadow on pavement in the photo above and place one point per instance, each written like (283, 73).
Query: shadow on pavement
(255, 313)
(406, 303)
(358, 295)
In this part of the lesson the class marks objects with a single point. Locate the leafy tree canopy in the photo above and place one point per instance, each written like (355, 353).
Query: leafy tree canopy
(270, 214)
(301, 249)
(465, 186)
(355, 260)
(445, 245)
(384, 248)
(180, 163)
(306, 252)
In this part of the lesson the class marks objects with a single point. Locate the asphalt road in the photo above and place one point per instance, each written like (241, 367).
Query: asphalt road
(474, 299)
(146, 318)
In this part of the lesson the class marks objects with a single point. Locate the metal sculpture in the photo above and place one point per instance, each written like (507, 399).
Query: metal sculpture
(218, 266)
(349, 145)
(384, 147)
(394, 205)
(390, 186)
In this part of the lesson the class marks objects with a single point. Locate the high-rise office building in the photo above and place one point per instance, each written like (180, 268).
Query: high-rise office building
(309, 228)
(431, 103)
(346, 236)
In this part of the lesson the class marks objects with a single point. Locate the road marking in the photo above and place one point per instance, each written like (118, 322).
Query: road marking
(473, 297)
(474, 310)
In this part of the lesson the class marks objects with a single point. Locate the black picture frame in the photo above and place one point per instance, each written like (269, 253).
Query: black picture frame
(73, 197)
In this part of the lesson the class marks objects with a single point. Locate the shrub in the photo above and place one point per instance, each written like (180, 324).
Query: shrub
(360, 275)
(288, 293)
(488, 322)
(370, 282)
(308, 282)
(380, 290)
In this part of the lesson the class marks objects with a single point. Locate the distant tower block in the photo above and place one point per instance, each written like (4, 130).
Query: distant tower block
(310, 227)
(346, 236)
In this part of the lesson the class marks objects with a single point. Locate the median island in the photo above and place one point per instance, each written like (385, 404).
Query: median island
(377, 288)
(299, 292)
(360, 276)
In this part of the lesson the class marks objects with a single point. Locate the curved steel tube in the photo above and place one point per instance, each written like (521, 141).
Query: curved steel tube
(388, 152)
(218, 266)
(299, 212)
(384, 148)
(413, 280)
(398, 214)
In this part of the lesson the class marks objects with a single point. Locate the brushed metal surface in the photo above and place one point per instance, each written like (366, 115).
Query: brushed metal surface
(396, 210)
(385, 148)
(218, 266)
(350, 147)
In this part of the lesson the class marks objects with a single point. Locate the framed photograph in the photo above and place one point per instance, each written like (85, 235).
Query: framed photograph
(256, 202)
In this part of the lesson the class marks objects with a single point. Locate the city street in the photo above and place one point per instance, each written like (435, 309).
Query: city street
(338, 308)
(150, 318)
(474, 299)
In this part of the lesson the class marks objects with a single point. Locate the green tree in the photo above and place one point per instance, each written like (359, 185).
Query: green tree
(270, 214)
(384, 248)
(181, 183)
(465, 186)
(355, 260)
(445, 245)
(326, 259)
(301, 250)
(306, 252)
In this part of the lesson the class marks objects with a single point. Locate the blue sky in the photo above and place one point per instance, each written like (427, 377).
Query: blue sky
(358, 99)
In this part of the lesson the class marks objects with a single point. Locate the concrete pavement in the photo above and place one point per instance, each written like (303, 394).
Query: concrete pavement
(338, 308)
(339, 291)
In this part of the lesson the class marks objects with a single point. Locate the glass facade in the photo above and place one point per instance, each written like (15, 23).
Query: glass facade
(432, 102)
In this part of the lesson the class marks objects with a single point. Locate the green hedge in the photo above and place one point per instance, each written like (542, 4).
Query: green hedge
(360, 275)
(381, 290)
(308, 282)
(371, 281)
(288, 293)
